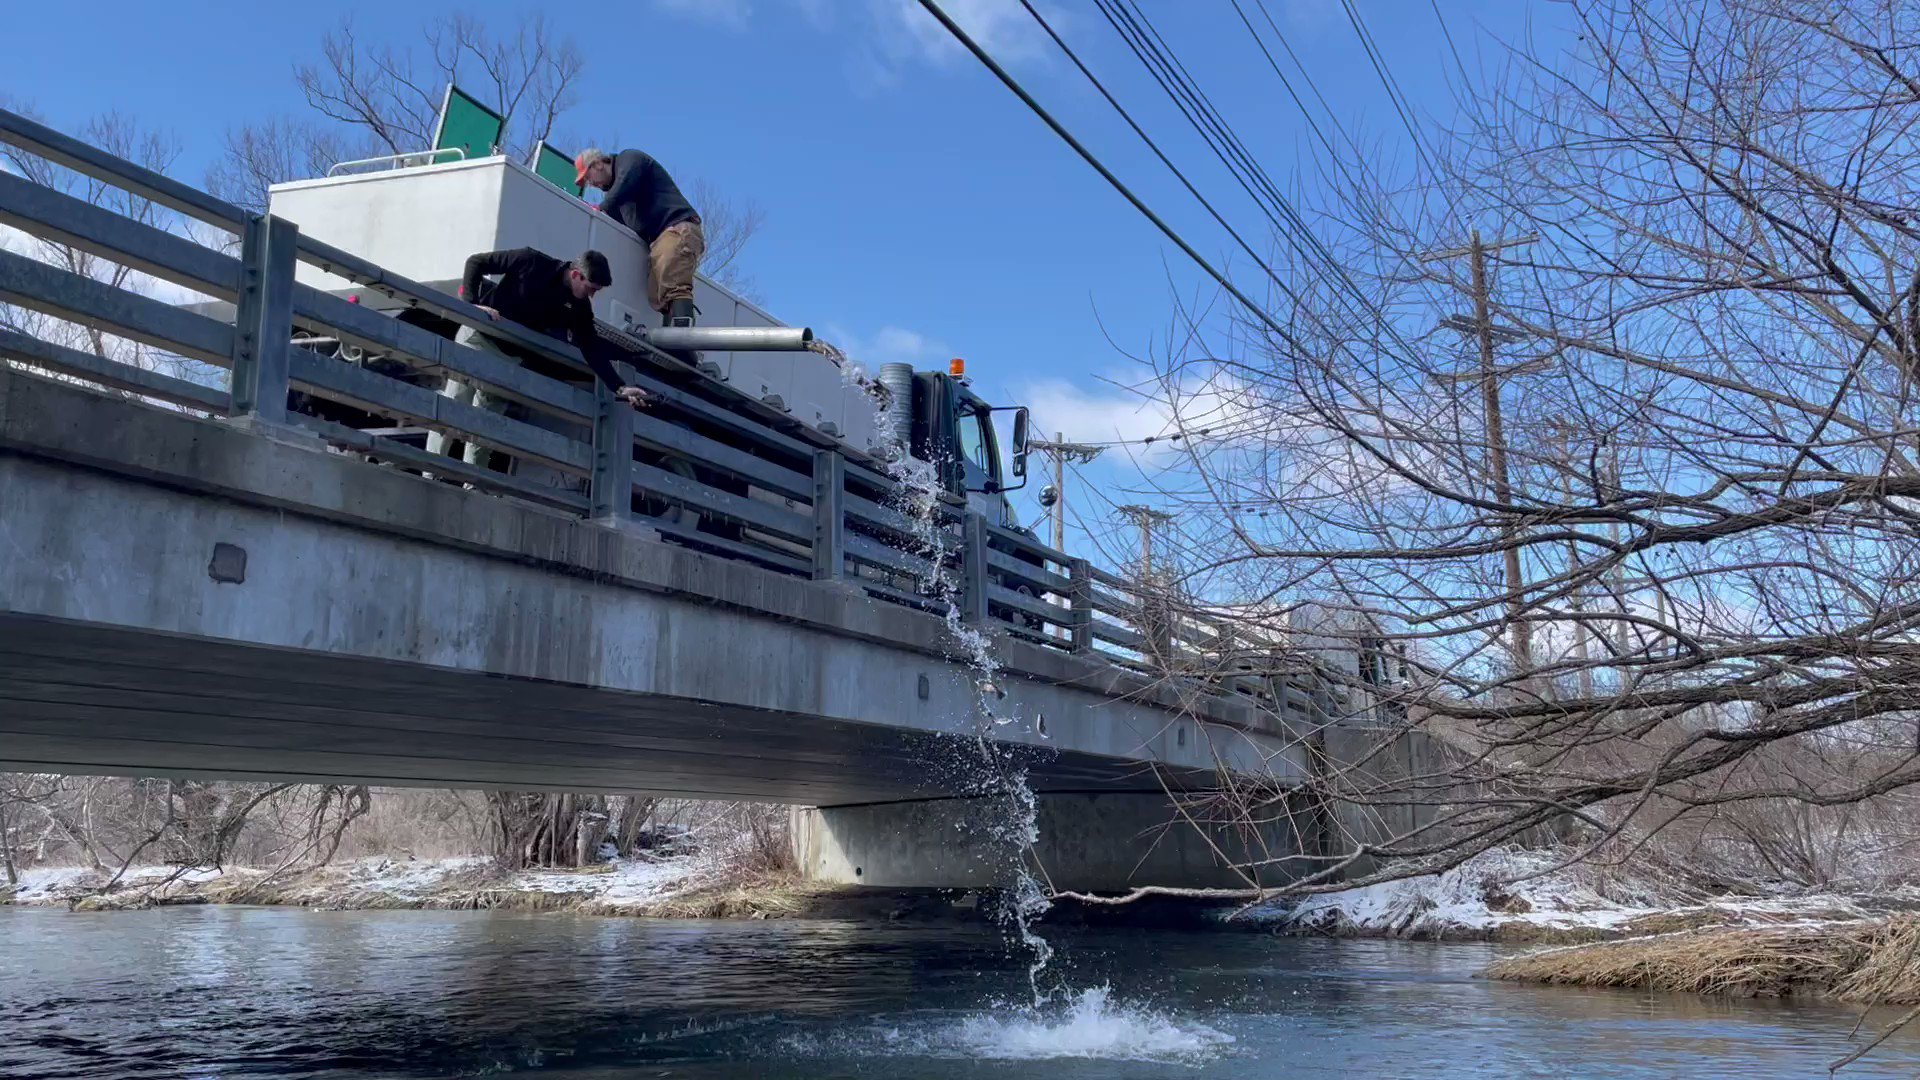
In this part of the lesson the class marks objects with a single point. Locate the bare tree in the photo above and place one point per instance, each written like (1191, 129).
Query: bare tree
(258, 156)
(729, 224)
(370, 99)
(1676, 445)
(375, 98)
(123, 137)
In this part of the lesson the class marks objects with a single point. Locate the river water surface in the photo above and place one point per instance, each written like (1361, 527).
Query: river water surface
(211, 992)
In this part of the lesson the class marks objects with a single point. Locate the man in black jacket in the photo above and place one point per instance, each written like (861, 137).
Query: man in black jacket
(641, 196)
(545, 295)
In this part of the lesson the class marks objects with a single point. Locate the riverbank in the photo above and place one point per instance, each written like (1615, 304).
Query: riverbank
(1605, 929)
(1511, 897)
(1858, 961)
(684, 887)
(1526, 897)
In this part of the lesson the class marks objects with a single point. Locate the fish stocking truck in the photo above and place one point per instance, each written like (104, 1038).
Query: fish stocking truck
(422, 222)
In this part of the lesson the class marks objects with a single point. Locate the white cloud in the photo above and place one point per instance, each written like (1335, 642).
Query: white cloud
(1093, 415)
(819, 13)
(733, 14)
(1115, 410)
(1311, 14)
(887, 345)
(907, 33)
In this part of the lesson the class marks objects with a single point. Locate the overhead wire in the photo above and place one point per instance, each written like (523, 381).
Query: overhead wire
(1157, 151)
(1312, 123)
(1198, 110)
(1394, 93)
(1150, 47)
(1265, 317)
(1153, 51)
(1448, 34)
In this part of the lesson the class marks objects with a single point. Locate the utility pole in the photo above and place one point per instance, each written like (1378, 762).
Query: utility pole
(1481, 325)
(1564, 433)
(1062, 451)
(1146, 518)
(1617, 577)
(1155, 620)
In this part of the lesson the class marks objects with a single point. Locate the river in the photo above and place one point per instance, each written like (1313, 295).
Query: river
(215, 992)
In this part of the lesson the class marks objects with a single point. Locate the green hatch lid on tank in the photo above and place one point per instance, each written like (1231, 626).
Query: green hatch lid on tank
(555, 167)
(467, 125)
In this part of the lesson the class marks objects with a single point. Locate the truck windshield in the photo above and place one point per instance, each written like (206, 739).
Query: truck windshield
(974, 441)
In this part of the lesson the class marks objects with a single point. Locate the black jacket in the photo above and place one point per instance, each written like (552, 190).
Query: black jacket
(533, 292)
(643, 197)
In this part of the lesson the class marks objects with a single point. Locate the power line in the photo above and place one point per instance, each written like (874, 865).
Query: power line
(1273, 324)
(1197, 108)
(1157, 152)
(1338, 161)
(1150, 47)
(1394, 93)
(1175, 436)
(1448, 34)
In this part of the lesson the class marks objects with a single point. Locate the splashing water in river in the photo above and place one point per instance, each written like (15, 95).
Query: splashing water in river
(1087, 1024)
(991, 772)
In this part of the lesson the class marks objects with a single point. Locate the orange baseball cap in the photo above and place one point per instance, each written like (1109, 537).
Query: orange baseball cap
(586, 158)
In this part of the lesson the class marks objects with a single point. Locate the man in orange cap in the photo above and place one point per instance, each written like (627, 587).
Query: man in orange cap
(641, 196)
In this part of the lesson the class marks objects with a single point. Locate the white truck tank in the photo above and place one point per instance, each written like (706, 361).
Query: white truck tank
(423, 222)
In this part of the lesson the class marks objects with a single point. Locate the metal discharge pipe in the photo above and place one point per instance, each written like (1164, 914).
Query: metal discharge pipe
(729, 338)
(898, 381)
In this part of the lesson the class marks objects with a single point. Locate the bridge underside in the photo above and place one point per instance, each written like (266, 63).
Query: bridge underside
(180, 595)
(90, 699)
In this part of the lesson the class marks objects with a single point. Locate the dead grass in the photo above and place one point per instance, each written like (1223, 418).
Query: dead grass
(1890, 972)
(1674, 922)
(1863, 961)
(770, 896)
(1519, 932)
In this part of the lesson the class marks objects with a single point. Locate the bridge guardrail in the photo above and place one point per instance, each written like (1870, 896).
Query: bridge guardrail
(698, 467)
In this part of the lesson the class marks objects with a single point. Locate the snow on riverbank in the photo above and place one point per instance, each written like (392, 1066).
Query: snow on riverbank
(49, 885)
(621, 887)
(1520, 896)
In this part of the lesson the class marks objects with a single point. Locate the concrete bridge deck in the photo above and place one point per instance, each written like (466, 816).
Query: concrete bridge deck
(194, 596)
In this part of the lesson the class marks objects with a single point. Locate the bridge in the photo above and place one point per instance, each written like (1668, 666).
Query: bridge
(200, 580)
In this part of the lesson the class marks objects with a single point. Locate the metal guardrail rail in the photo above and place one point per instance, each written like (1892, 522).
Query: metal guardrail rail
(704, 466)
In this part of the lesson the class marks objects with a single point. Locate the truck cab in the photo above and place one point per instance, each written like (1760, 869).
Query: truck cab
(953, 428)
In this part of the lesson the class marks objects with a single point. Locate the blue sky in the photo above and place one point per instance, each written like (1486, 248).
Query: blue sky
(915, 208)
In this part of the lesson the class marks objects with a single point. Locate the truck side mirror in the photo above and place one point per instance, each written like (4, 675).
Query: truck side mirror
(1020, 442)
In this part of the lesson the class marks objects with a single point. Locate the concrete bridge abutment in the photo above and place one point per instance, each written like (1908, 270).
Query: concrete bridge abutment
(1105, 842)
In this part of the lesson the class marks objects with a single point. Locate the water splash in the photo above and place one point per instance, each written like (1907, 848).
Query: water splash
(1091, 1026)
(993, 773)
(1086, 1025)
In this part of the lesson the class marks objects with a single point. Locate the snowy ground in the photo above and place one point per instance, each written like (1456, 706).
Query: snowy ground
(58, 884)
(620, 886)
(1518, 895)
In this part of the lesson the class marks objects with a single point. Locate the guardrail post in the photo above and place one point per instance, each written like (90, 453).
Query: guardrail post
(263, 319)
(1080, 599)
(611, 485)
(973, 571)
(829, 516)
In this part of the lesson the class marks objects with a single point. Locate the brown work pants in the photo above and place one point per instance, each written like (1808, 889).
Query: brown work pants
(672, 258)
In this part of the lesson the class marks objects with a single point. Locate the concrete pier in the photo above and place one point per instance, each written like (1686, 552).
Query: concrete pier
(1085, 842)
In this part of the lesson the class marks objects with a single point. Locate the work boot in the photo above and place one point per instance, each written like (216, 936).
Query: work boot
(681, 313)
